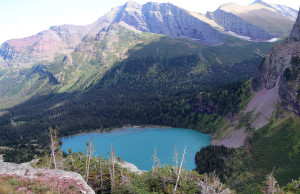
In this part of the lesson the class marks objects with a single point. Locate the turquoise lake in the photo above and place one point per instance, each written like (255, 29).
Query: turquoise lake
(136, 145)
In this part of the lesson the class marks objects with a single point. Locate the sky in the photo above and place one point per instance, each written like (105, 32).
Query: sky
(21, 18)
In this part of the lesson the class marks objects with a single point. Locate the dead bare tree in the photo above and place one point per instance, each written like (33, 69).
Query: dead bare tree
(180, 168)
(212, 184)
(89, 153)
(101, 172)
(156, 161)
(271, 184)
(54, 146)
(176, 160)
(111, 167)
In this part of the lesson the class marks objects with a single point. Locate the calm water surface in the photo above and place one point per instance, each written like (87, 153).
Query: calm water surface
(136, 145)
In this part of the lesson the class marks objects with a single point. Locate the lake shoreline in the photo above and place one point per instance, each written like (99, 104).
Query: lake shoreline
(107, 130)
(135, 144)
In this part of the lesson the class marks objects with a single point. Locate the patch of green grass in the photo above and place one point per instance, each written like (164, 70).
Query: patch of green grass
(277, 146)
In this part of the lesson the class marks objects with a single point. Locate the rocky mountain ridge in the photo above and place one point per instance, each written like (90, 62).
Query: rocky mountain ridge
(283, 9)
(43, 46)
(159, 18)
(277, 80)
(281, 67)
(258, 21)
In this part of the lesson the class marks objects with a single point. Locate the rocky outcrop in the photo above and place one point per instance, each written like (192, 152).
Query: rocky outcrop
(295, 34)
(277, 80)
(7, 51)
(47, 176)
(131, 167)
(281, 67)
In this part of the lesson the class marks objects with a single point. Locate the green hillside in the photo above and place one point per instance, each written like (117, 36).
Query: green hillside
(127, 78)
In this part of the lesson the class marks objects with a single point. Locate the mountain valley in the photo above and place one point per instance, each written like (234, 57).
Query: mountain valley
(232, 73)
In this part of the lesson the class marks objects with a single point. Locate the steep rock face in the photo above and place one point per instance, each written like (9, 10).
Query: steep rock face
(7, 51)
(282, 9)
(282, 66)
(158, 18)
(259, 21)
(286, 11)
(295, 34)
(169, 20)
(238, 25)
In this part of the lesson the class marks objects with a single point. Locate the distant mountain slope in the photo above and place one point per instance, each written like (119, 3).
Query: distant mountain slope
(258, 22)
(283, 9)
(42, 46)
(157, 18)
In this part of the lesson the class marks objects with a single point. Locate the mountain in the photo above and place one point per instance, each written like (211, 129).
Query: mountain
(283, 9)
(158, 64)
(42, 46)
(274, 85)
(265, 132)
(98, 74)
(152, 17)
(258, 21)
(164, 18)
(151, 64)
(280, 69)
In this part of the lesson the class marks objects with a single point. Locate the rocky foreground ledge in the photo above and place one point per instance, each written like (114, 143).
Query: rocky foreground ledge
(56, 178)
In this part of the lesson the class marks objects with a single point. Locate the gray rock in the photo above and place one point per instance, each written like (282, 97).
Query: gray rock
(295, 34)
(26, 171)
(271, 70)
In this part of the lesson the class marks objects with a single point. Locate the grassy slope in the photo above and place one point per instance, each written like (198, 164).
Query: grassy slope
(275, 146)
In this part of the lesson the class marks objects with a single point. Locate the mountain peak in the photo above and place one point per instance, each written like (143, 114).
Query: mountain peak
(132, 4)
(261, 2)
(258, 1)
(295, 34)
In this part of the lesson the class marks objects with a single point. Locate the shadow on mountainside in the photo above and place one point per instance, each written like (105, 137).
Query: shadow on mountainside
(156, 85)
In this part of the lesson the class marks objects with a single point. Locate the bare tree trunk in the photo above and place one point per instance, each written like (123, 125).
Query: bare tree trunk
(156, 162)
(53, 146)
(111, 167)
(179, 172)
(176, 160)
(101, 173)
(271, 184)
(86, 161)
(89, 153)
(50, 161)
